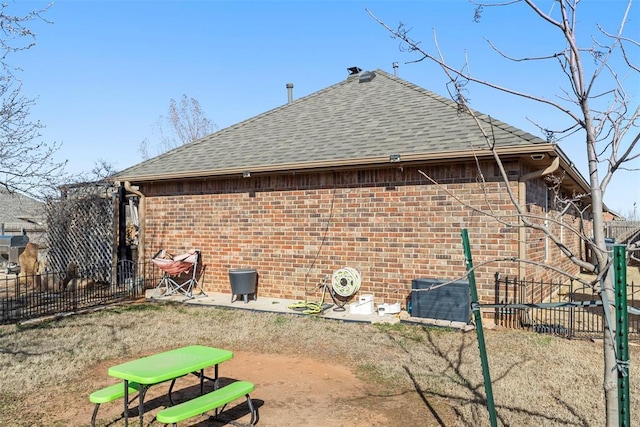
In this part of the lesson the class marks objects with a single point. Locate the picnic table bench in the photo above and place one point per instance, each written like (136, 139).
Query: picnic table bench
(207, 402)
(109, 394)
(140, 374)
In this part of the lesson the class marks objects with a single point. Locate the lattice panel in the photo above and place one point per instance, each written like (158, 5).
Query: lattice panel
(81, 232)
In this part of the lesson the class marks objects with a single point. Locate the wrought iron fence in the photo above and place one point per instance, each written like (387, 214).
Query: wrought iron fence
(77, 260)
(570, 321)
(55, 293)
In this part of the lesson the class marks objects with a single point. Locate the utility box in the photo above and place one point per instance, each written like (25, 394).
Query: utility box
(449, 302)
(11, 247)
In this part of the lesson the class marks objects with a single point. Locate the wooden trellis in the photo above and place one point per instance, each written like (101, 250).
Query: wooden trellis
(80, 233)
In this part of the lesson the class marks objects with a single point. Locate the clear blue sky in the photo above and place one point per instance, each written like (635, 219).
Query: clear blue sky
(103, 72)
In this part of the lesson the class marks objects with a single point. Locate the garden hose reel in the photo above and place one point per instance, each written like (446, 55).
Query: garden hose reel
(346, 281)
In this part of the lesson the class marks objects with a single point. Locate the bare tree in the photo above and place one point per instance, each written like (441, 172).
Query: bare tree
(596, 105)
(100, 172)
(185, 123)
(26, 164)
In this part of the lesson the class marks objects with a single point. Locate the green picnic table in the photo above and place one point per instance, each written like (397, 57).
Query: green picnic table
(166, 366)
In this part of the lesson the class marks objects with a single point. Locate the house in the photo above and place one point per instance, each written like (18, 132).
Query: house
(21, 215)
(338, 179)
(610, 215)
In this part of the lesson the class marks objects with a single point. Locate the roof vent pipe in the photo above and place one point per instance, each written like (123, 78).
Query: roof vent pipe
(290, 92)
(395, 69)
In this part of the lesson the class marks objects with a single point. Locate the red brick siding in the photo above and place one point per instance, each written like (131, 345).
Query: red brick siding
(391, 225)
(566, 225)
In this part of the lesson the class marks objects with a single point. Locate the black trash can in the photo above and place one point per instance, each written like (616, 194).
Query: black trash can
(244, 282)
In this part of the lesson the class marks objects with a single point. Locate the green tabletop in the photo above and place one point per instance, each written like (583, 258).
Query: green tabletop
(170, 364)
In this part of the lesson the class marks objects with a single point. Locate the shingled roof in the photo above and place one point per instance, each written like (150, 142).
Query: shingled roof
(358, 121)
(18, 211)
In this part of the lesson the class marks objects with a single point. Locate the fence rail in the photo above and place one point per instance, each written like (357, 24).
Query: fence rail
(571, 322)
(54, 293)
(621, 231)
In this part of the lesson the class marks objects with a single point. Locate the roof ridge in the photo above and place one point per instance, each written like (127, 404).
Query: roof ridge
(415, 87)
(486, 118)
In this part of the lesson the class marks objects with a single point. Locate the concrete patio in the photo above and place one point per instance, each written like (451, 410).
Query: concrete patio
(275, 305)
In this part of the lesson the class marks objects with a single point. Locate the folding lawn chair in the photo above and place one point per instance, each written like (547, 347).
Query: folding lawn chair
(179, 273)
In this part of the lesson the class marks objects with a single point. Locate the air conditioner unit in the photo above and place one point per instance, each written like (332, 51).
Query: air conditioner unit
(448, 302)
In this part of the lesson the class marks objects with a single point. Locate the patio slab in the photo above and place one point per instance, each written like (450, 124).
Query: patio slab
(276, 305)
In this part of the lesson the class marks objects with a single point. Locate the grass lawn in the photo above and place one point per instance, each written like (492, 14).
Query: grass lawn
(368, 374)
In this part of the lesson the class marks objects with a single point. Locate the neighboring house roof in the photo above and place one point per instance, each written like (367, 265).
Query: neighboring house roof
(353, 122)
(18, 211)
(615, 216)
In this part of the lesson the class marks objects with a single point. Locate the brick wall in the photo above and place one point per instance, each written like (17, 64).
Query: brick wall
(548, 208)
(392, 225)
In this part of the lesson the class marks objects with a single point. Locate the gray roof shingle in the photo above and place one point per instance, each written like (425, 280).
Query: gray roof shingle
(346, 123)
(19, 211)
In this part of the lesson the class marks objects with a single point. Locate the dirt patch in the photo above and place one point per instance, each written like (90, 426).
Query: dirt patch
(290, 391)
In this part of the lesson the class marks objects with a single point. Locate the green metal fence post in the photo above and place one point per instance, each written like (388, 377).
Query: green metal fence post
(475, 306)
(622, 334)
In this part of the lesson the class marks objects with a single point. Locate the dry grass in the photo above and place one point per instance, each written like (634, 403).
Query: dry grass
(537, 380)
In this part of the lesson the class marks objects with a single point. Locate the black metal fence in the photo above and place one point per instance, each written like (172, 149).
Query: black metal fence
(55, 293)
(570, 321)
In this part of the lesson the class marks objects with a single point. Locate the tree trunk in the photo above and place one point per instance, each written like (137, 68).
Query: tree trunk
(610, 367)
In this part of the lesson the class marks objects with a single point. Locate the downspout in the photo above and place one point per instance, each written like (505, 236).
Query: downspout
(141, 220)
(122, 230)
(522, 201)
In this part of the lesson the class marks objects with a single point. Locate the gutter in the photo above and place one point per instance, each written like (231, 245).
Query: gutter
(573, 172)
(329, 164)
(522, 201)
